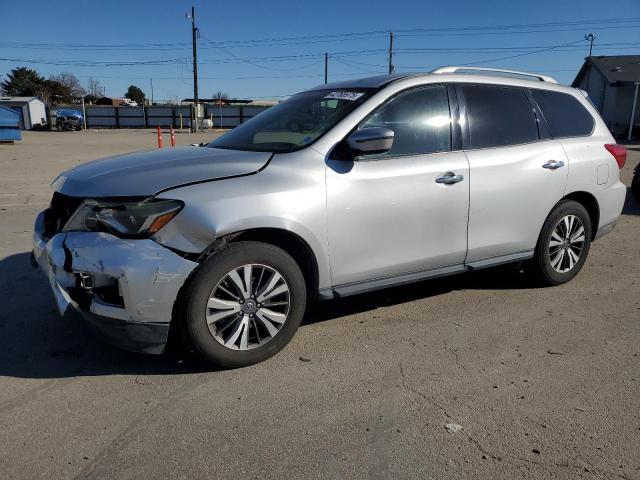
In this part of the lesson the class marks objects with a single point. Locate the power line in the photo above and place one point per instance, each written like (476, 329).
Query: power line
(248, 60)
(358, 67)
(439, 31)
(94, 63)
(490, 60)
(498, 49)
(255, 61)
(515, 32)
(464, 30)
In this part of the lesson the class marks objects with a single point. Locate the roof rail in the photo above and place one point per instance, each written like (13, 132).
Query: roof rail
(542, 78)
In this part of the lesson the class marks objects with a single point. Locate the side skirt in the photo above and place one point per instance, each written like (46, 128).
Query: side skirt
(380, 283)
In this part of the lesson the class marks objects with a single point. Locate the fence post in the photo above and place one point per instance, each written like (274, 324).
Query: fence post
(117, 117)
(144, 114)
(173, 116)
(241, 115)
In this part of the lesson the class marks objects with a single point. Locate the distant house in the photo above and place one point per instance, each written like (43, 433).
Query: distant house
(612, 85)
(111, 102)
(32, 111)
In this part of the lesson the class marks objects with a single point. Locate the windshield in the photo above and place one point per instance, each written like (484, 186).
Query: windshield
(294, 123)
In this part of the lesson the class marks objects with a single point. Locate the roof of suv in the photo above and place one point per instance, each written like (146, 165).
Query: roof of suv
(500, 76)
(367, 82)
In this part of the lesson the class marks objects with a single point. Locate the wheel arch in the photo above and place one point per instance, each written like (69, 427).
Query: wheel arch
(590, 203)
(290, 242)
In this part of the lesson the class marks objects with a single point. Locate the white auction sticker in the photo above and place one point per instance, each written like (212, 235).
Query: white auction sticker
(341, 95)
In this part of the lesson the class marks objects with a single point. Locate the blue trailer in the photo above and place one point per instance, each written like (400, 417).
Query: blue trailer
(9, 125)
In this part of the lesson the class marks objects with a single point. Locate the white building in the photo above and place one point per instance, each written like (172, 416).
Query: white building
(32, 111)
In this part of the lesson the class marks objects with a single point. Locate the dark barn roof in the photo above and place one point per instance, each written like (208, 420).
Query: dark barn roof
(618, 68)
(224, 101)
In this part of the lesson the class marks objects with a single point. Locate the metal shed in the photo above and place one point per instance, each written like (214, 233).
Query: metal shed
(32, 111)
(612, 84)
(9, 125)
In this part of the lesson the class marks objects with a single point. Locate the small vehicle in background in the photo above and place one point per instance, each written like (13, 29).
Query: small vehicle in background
(69, 119)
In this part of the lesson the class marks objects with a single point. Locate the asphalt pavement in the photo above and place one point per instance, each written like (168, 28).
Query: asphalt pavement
(543, 383)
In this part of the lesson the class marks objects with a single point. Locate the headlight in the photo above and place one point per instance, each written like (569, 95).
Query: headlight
(125, 219)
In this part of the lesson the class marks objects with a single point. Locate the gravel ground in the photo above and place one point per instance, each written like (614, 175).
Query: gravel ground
(544, 382)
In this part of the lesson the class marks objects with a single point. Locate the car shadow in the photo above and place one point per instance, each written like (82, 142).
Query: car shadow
(631, 205)
(508, 277)
(36, 343)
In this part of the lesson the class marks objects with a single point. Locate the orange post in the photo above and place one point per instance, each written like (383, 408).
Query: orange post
(173, 137)
(159, 137)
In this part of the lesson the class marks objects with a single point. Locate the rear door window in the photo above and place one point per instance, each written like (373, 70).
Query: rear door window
(564, 114)
(499, 116)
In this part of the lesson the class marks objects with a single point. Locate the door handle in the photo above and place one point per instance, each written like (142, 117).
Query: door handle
(553, 164)
(449, 178)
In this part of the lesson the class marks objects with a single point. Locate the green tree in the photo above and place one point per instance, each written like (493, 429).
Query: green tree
(23, 82)
(136, 94)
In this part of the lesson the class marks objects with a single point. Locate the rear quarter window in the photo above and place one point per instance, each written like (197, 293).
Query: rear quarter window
(564, 114)
(499, 116)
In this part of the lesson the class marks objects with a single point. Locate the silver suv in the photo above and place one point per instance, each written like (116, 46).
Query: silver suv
(345, 188)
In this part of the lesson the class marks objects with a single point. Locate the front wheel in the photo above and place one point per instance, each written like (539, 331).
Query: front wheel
(563, 244)
(244, 304)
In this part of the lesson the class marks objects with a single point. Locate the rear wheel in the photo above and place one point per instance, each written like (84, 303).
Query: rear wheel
(635, 186)
(244, 305)
(563, 244)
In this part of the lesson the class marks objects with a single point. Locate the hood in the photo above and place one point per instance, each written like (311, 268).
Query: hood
(147, 173)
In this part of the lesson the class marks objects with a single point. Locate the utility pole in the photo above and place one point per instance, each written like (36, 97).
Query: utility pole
(151, 90)
(391, 67)
(84, 113)
(194, 34)
(591, 37)
(326, 68)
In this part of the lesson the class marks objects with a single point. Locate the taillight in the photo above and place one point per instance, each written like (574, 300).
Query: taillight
(618, 152)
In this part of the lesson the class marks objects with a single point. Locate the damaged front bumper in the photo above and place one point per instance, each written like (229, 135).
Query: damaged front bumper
(126, 288)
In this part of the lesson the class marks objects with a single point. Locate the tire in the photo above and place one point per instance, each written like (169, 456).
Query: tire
(235, 329)
(635, 186)
(550, 266)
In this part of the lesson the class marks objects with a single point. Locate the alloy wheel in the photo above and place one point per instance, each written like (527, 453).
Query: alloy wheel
(566, 243)
(248, 307)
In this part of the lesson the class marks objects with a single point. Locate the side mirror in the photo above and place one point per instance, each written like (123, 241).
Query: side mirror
(371, 140)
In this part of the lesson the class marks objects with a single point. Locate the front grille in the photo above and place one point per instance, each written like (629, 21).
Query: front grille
(59, 212)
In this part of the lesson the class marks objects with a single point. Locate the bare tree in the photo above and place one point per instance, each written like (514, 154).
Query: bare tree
(65, 87)
(220, 95)
(94, 87)
(70, 82)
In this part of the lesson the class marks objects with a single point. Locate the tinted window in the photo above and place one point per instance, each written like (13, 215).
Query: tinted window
(420, 121)
(564, 114)
(499, 116)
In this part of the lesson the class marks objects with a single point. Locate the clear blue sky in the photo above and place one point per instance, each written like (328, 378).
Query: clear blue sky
(240, 70)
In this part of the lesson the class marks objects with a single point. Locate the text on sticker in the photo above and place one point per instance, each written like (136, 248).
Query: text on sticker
(345, 95)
